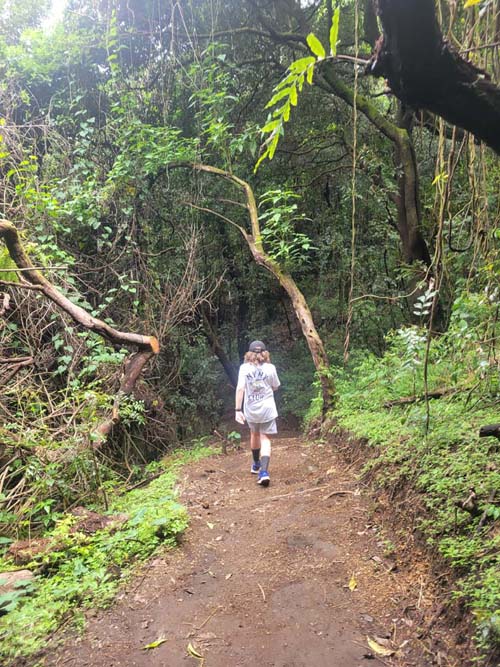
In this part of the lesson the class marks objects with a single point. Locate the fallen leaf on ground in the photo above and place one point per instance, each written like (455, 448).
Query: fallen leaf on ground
(383, 641)
(155, 644)
(193, 652)
(353, 584)
(210, 525)
(228, 576)
(378, 649)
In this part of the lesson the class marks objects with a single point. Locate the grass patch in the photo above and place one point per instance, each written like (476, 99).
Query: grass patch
(89, 569)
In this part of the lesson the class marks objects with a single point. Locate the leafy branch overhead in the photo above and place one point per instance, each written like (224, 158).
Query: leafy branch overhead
(287, 91)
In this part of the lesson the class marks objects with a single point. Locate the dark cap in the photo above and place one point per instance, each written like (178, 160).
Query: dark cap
(257, 346)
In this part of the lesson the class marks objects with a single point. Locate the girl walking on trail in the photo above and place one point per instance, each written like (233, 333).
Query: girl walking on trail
(257, 382)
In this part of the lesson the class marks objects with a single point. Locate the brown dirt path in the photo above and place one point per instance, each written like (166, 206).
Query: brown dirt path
(261, 577)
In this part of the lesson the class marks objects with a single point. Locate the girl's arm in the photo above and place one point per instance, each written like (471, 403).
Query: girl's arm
(275, 380)
(238, 402)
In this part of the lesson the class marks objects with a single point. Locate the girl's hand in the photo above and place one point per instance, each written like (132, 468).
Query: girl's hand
(239, 417)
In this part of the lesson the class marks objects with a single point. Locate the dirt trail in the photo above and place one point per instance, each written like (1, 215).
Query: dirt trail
(262, 577)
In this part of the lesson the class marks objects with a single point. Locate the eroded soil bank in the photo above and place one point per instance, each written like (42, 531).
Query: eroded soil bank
(295, 575)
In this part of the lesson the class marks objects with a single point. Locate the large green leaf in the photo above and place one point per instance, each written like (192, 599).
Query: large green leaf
(316, 46)
(300, 66)
(334, 31)
(272, 125)
(278, 96)
(273, 145)
(154, 644)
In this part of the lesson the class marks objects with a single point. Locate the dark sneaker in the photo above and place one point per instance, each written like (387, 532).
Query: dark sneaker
(263, 478)
(255, 468)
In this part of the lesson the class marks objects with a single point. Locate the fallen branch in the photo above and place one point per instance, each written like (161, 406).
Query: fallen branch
(490, 430)
(407, 400)
(299, 493)
(147, 346)
(15, 360)
(208, 618)
(484, 515)
(17, 364)
(469, 504)
(337, 493)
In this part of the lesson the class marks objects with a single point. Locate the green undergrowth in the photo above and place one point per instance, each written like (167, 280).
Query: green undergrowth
(87, 570)
(432, 457)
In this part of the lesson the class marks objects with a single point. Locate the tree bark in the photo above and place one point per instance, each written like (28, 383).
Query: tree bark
(408, 198)
(148, 346)
(425, 72)
(407, 400)
(306, 321)
(370, 26)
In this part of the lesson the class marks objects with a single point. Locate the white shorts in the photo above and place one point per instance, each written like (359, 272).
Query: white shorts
(267, 428)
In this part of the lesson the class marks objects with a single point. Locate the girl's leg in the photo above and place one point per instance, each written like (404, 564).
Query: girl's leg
(255, 447)
(255, 440)
(265, 451)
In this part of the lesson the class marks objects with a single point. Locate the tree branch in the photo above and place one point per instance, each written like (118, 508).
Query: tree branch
(148, 346)
(425, 72)
(284, 37)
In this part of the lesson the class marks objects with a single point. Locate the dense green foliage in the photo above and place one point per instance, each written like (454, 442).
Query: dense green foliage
(102, 115)
(428, 457)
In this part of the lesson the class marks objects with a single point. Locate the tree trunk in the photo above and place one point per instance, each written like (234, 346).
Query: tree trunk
(305, 318)
(370, 26)
(408, 198)
(425, 72)
(218, 350)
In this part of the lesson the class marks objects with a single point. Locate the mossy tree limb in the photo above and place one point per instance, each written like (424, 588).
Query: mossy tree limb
(425, 72)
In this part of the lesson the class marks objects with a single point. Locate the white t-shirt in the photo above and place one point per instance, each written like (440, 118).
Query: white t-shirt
(259, 383)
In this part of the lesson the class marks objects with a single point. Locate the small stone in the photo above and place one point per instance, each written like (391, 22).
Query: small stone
(10, 581)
